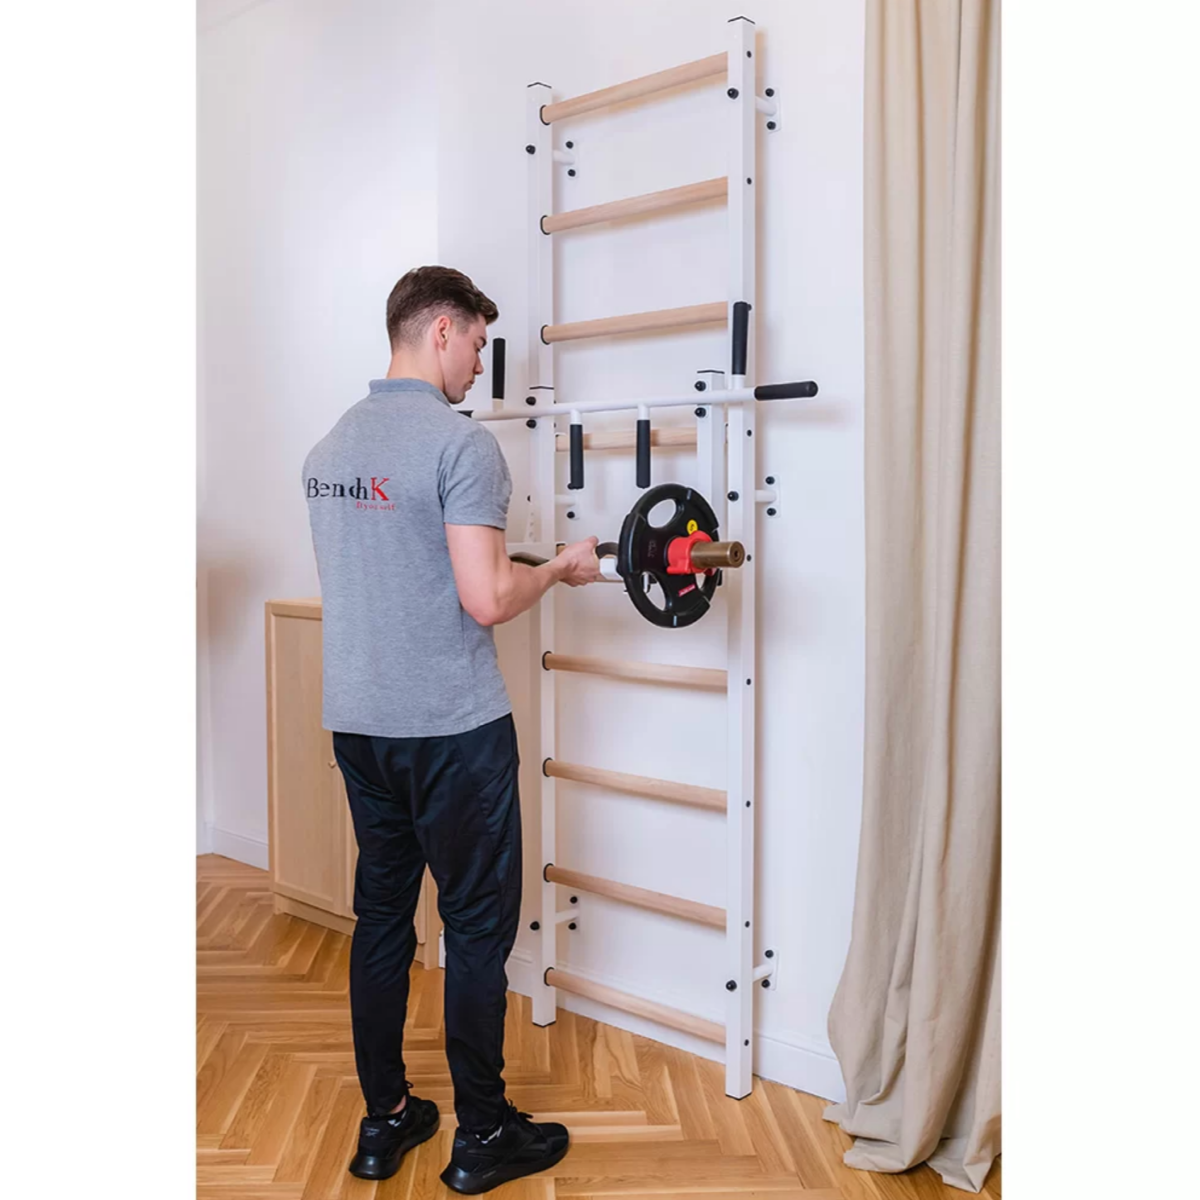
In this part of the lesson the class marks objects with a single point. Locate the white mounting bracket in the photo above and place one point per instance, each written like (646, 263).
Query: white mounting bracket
(767, 976)
(770, 107)
(568, 158)
(770, 495)
(570, 916)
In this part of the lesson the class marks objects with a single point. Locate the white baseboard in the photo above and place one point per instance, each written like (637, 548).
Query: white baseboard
(796, 1061)
(203, 838)
(241, 849)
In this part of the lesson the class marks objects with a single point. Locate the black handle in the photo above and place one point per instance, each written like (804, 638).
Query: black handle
(498, 369)
(607, 550)
(785, 391)
(741, 336)
(576, 457)
(643, 452)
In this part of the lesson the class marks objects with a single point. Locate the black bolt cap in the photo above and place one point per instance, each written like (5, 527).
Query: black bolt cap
(731, 986)
(530, 149)
(732, 496)
(732, 93)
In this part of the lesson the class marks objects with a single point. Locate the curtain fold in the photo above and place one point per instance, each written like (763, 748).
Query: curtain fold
(915, 1021)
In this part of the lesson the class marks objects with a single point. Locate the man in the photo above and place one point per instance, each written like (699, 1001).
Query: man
(408, 503)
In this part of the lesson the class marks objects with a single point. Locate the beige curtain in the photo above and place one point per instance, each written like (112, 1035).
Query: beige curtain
(915, 1022)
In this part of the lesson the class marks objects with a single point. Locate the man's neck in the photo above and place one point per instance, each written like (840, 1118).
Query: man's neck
(404, 367)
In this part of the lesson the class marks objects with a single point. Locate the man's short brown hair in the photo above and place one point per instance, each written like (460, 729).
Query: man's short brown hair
(425, 292)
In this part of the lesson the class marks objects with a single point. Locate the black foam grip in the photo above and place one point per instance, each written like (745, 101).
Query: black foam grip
(498, 369)
(741, 336)
(576, 457)
(785, 391)
(643, 452)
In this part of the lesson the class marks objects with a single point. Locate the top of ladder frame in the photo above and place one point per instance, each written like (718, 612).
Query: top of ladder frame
(635, 89)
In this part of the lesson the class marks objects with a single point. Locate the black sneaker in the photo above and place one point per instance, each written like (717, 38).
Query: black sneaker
(520, 1148)
(384, 1141)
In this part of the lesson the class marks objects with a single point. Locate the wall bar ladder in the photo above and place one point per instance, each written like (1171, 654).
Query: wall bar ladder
(725, 438)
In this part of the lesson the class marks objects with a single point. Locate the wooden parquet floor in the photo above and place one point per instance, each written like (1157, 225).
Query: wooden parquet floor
(278, 1102)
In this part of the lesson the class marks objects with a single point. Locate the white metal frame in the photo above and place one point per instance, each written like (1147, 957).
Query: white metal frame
(740, 584)
(541, 385)
(726, 451)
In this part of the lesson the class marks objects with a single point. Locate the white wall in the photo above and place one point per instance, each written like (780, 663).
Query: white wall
(317, 191)
(280, 207)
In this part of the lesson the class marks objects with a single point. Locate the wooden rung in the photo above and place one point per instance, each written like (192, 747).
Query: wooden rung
(633, 89)
(625, 439)
(701, 677)
(711, 1031)
(639, 785)
(633, 206)
(643, 322)
(672, 906)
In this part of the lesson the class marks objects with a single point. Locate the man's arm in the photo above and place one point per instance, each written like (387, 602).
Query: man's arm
(494, 589)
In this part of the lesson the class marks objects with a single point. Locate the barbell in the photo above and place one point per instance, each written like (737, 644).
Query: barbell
(682, 556)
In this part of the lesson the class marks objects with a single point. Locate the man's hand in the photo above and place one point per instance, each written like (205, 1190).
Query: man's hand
(493, 589)
(578, 563)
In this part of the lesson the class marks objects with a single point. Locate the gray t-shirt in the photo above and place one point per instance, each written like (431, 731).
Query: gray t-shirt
(403, 658)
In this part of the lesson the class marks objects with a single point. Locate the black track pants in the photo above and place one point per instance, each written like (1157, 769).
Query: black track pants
(451, 802)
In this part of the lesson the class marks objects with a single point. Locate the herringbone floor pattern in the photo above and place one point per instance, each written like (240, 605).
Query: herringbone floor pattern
(278, 1103)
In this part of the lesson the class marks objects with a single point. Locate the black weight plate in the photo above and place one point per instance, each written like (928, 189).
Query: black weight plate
(642, 551)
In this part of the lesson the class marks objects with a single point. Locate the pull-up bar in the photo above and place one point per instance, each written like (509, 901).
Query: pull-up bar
(633, 89)
(632, 206)
(799, 390)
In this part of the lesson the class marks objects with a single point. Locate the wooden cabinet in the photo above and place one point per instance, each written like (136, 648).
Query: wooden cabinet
(311, 836)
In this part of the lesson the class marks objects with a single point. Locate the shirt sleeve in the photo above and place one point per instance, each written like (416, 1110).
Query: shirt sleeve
(475, 483)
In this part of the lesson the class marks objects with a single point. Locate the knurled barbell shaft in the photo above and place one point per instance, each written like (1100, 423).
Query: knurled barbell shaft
(707, 555)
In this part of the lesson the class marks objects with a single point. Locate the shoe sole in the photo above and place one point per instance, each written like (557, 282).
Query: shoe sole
(458, 1180)
(410, 1143)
